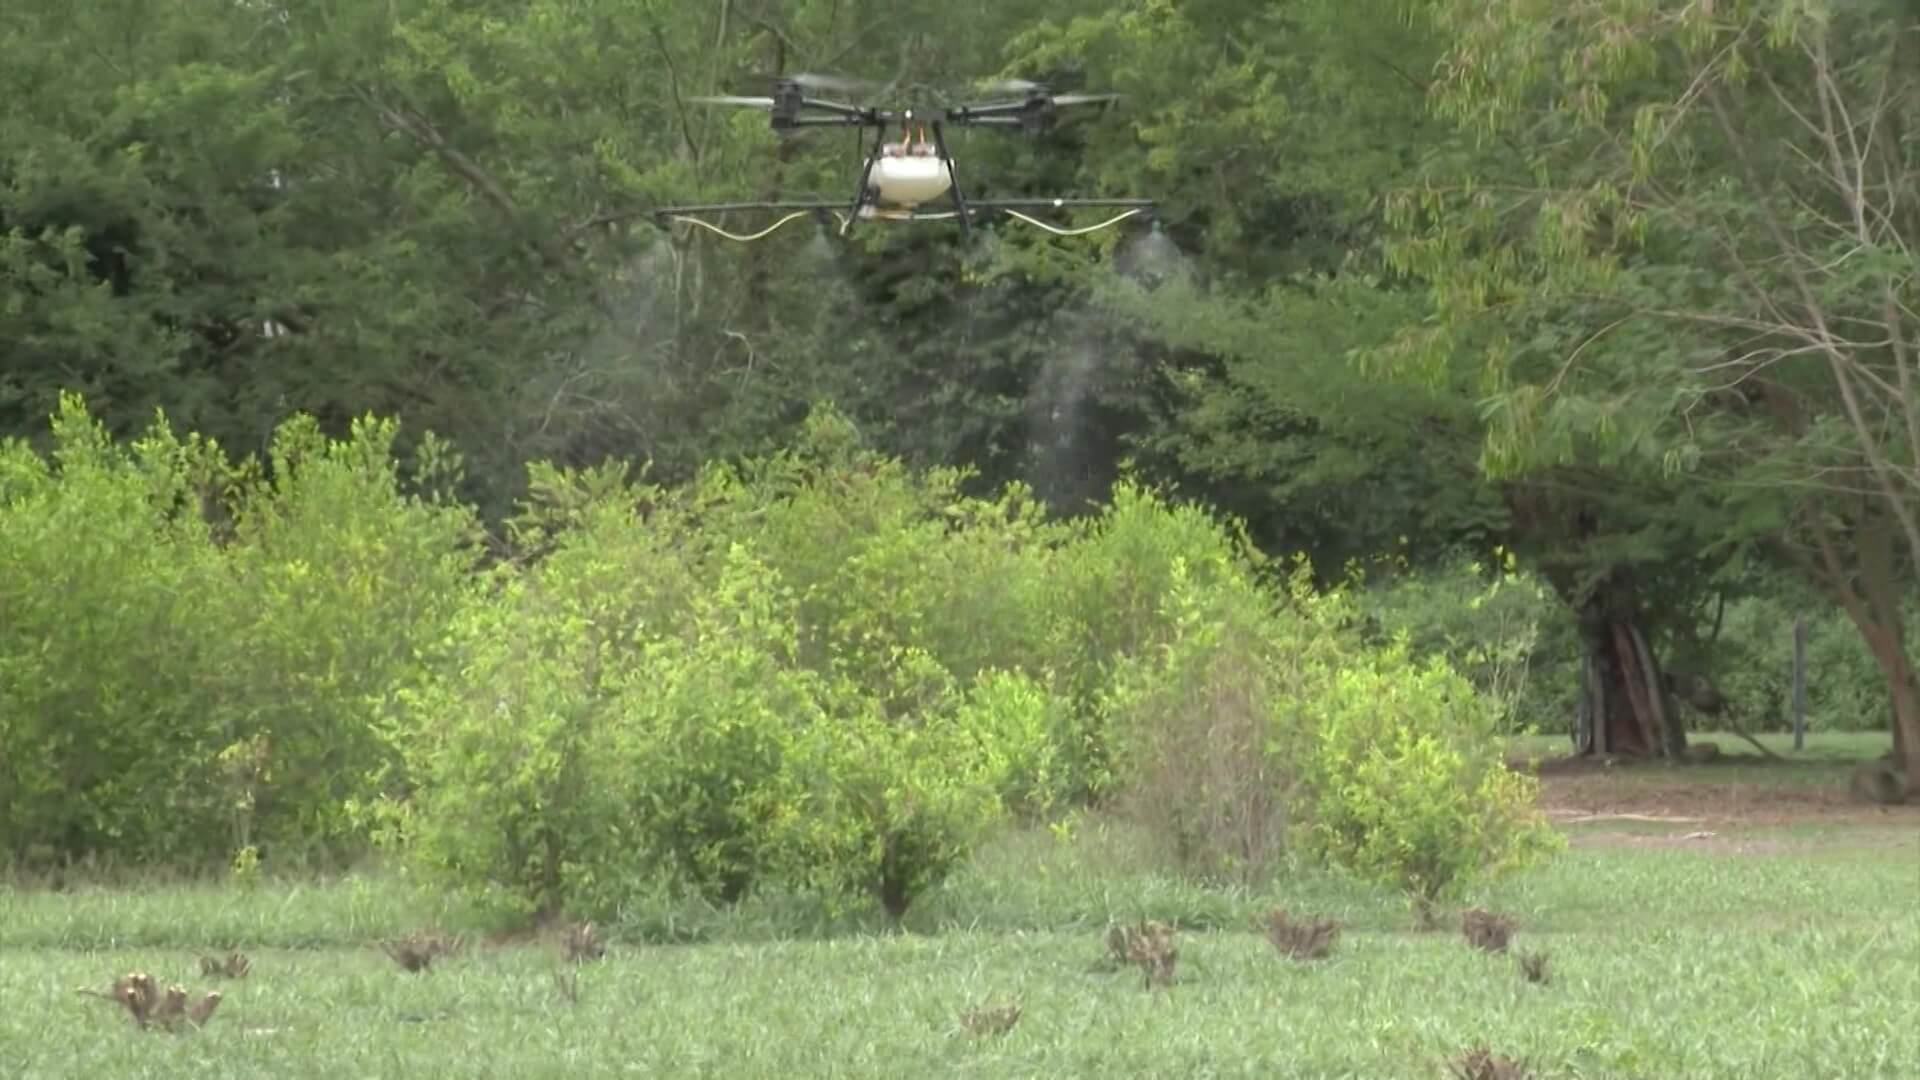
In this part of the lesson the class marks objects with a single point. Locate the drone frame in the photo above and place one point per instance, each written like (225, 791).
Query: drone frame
(788, 111)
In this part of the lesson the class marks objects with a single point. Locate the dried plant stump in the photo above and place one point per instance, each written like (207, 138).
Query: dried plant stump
(152, 1008)
(1486, 930)
(1309, 939)
(1480, 1063)
(1150, 945)
(990, 1020)
(417, 952)
(1533, 966)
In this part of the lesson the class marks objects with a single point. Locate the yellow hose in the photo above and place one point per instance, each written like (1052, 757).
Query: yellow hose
(1114, 220)
(738, 237)
(902, 215)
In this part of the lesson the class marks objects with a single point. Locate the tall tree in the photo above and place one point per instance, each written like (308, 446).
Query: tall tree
(1270, 133)
(238, 210)
(1706, 268)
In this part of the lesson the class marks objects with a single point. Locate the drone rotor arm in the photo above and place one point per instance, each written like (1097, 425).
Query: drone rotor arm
(1037, 102)
(862, 119)
(733, 99)
(838, 109)
(1008, 86)
(990, 111)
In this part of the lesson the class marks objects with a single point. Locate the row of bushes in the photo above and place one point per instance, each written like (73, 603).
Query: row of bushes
(818, 670)
(189, 649)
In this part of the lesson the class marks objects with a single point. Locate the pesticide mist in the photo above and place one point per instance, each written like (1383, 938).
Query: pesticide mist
(1078, 401)
(1152, 258)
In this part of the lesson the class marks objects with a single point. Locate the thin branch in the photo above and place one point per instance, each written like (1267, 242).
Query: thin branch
(1837, 362)
(1829, 134)
(410, 123)
(1566, 366)
(673, 86)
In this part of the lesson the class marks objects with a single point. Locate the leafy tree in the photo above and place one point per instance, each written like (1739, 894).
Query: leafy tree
(243, 210)
(1269, 134)
(1703, 273)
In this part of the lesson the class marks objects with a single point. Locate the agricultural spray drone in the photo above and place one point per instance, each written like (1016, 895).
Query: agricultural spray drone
(899, 179)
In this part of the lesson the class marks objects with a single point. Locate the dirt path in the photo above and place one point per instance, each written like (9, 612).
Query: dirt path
(1656, 805)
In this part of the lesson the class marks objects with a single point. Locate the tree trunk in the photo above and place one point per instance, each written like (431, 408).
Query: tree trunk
(1902, 744)
(1625, 699)
(1906, 732)
(1871, 596)
(1889, 653)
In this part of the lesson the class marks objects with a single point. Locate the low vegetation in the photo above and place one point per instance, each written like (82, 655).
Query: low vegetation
(771, 715)
(1005, 969)
(788, 675)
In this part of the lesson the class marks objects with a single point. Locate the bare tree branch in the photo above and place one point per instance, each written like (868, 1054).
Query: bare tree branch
(1839, 363)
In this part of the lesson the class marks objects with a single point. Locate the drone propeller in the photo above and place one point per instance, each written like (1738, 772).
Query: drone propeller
(1008, 86)
(836, 84)
(1029, 88)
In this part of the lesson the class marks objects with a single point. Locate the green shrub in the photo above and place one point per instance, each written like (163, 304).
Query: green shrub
(498, 750)
(1015, 722)
(584, 741)
(193, 650)
(897, 803)
(1255, 720)
(884, 557)
(815, 671)
(1113, 578)
(1752, 663)
(333, 576)
(1501, 628)
(1109, 587)
(605, 715)
(1404, 783)
(1201, 740)
(706, 729)
(106, 718)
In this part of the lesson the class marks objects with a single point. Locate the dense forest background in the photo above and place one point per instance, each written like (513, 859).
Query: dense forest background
(1584, 337)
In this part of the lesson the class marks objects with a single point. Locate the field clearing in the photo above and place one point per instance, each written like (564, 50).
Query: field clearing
(1776, 936)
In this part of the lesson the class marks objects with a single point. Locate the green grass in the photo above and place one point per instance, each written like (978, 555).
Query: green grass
(1792, 956)
(1822, 747)
(1700, 1003)
(1822, 766)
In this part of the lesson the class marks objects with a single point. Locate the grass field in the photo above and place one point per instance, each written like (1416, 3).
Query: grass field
(1732, 920)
